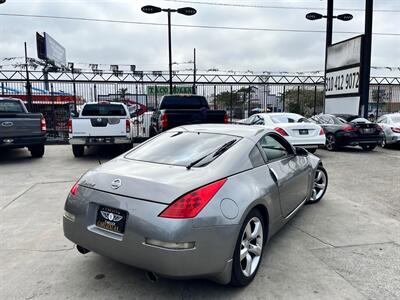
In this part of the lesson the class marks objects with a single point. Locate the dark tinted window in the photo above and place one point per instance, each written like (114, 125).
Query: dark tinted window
(181, 148)
(103, 110)
(256, 157)
(11, 106)
(183, 102)
(273, 148)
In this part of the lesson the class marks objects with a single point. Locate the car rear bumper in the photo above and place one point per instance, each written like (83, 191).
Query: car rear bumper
(101, 140)
(210, 257)
(20, 142)
(394, 138)
(349, 139)
(309, 142)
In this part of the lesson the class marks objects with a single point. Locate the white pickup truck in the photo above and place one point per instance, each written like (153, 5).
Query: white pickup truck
(103, 123)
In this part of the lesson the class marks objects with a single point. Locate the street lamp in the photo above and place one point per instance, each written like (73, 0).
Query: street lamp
(187, 11)
(2, 1)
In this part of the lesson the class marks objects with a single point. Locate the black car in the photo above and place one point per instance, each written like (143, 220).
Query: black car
(348, 130)
(177, 110)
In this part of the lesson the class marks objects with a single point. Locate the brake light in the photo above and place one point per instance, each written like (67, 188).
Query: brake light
(396, 129)
(189, 205)
(321, 132)
(226, 118)
(281, 131)
(43, 124)
(164, 120)
(348, 128)
(128, 126)
(70, 125)
(74, 189)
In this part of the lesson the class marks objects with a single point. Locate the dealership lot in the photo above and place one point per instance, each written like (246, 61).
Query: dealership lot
(346, 247)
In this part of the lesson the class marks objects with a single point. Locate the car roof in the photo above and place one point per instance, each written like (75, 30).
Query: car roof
(278, 114)
(245, 131)
(10, 99)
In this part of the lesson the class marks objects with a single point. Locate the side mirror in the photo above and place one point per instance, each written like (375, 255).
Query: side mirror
(300, 151)
(74, 113)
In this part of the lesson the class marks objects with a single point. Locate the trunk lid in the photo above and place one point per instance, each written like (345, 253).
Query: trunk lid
(99, 126)
(147, 181)
(19, 125)
(300, 129)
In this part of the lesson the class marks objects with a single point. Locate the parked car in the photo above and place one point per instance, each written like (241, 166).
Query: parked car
(293, 127)
(390, 125)
(195, 201)
(349, 130)
(103, 123)
(19, 128)
(177, 110)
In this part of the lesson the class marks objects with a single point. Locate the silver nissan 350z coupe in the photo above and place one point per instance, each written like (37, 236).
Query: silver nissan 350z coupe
(197, 201)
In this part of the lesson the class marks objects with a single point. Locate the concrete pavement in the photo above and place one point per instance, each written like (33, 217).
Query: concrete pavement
(345, 247)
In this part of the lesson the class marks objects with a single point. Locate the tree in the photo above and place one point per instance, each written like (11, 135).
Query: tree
(302, 101)
(123, 92)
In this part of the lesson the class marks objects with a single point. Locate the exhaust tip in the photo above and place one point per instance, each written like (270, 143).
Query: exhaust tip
(151, 276)
(82, 250)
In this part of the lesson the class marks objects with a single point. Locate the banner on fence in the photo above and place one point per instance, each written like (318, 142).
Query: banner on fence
(164, 90)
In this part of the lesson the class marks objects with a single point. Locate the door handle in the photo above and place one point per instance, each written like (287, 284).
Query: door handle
(273, 175)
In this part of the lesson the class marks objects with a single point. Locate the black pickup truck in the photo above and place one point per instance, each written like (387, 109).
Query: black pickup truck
(19, 128)
(177, 110)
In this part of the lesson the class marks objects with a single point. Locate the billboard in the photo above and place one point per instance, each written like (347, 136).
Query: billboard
(342, 80)
(49, 49)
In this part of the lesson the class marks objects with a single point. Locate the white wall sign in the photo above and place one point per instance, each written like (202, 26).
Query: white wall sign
(344, 53)
(344, 105)
(343, 82)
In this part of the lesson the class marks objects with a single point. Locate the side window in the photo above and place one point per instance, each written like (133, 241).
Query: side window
(326, 120)
(274, 148)
(256, 157)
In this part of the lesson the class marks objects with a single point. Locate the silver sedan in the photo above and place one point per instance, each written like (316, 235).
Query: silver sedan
(198, 201)
(390, 124)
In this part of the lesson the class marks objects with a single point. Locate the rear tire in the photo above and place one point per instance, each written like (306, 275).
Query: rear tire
(78, 150)
(384, 143)
(250, 244)
(320, 185)
(331, 144)
(313, 150)
(368, 147)
(37, 151)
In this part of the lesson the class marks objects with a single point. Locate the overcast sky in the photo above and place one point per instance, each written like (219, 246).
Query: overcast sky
(146, 46)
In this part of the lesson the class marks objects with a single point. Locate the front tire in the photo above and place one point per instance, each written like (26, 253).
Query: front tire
(249, 249)
(320, 184)
(312, 150)
(78, 150)
(384, 143)
(37, 151)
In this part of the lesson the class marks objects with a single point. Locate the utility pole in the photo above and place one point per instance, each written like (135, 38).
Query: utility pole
(366, 58)
(194, 71)
(28, 83)
(170, 51)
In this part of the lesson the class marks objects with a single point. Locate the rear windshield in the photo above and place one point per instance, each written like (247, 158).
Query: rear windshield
(182, 148)
(103, 110)
(285, 119)
(183, 102)
(10, 106)
(396, 119)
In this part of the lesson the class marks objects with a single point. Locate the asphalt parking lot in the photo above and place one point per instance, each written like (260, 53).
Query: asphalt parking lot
(345, 247)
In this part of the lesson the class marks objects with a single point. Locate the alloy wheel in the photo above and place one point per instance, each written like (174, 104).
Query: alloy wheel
(251, 246)
(330, 142)
(320, 184)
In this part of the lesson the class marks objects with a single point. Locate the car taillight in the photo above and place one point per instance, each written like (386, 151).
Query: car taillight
(321, 132)
(396, 129)
(128, 126)
(226, 118)
(349, 128)
(189, 205)
(74, 189)
(164, 120)
(281, 131)
(70, 125)
(43, 124)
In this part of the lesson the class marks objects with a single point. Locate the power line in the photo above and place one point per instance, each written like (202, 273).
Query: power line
(189, 26)
(276, 7)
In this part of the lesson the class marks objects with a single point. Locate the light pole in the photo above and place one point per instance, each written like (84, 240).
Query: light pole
(329, 25)
(187, 11)
(2, 1)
